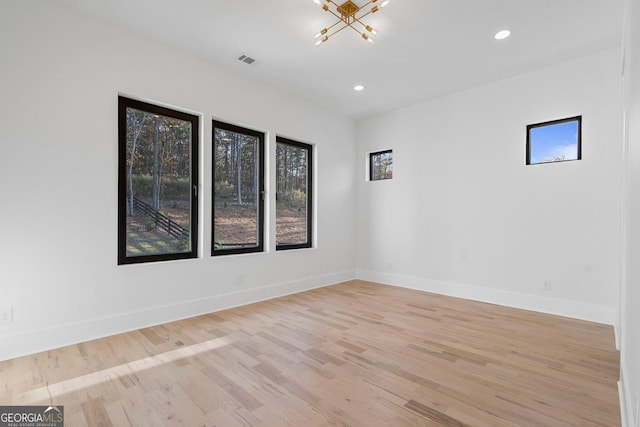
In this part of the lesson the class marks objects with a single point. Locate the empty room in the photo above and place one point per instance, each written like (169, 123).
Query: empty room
(318, 212)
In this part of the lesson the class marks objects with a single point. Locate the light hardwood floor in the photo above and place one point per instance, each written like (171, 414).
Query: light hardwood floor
(356, 353)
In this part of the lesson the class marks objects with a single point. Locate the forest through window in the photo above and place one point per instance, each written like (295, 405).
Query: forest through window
(381, 165)
(158, 189)
(293, 197)
(238, 208)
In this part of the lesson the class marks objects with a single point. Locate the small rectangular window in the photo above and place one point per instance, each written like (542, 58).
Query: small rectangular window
(157, 183)
(293, 194)
(554, 141)
(381, 165)
(238, 191)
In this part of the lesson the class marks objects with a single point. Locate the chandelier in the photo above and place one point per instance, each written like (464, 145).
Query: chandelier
(349, 15)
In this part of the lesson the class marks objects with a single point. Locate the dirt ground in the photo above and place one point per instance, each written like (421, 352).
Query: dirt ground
(234, 224)
(291, 225)
(237, 224)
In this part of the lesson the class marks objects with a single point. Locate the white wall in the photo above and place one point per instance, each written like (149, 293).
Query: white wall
(464, 216)
(630, 295)
(60, 75)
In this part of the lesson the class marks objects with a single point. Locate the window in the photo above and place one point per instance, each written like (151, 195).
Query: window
(157, 183)
(381, 165)
(238, 191)
(293, 194)
(554, 141)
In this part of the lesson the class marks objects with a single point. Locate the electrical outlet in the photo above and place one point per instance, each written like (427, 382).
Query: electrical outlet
(6, 315)
(546, 285)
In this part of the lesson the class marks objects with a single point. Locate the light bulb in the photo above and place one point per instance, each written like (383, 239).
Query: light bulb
(321, 33)
(322, 40)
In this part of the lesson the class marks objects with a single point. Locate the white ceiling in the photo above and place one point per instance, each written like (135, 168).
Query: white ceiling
(424, 49)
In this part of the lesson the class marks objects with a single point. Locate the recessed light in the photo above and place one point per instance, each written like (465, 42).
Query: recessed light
(501, 35)
(358, 88)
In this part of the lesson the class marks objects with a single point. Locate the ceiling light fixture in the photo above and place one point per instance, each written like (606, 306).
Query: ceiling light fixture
(501, 35)
(358, 88)
(349, 15)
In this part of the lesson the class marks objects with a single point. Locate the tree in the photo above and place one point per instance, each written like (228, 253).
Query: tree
(238, 146)
(558, 158)
(135, 123)
(156, 164)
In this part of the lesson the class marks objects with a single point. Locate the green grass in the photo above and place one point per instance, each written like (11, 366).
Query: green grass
(150, 243)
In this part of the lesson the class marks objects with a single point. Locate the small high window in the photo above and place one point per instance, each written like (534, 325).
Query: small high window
(554, 141)
(238, 190)
(293, 194)
(381, 165)
(157, 183)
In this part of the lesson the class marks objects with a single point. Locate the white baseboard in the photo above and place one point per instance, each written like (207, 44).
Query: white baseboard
(626, 404)
(62, 335)
(573, 309)
(623, 406)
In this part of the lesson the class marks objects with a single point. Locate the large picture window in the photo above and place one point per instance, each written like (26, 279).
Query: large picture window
(157, 183)
(238, 191)
(554, 141)
(293, 194)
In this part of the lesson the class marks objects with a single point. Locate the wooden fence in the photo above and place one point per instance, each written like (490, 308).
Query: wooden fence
(161, 220)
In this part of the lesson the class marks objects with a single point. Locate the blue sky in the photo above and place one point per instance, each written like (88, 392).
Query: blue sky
(553, 141)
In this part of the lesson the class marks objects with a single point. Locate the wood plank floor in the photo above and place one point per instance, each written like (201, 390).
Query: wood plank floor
(356, 353)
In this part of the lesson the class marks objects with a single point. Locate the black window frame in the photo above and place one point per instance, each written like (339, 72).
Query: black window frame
(217, 124)
(123, 104)
(371, 167)
(309, 149)
(577, 119)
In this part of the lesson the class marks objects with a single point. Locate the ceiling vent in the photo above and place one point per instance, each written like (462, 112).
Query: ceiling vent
(246, 59)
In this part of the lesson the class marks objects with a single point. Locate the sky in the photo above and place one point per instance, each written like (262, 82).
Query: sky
(549, 142)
